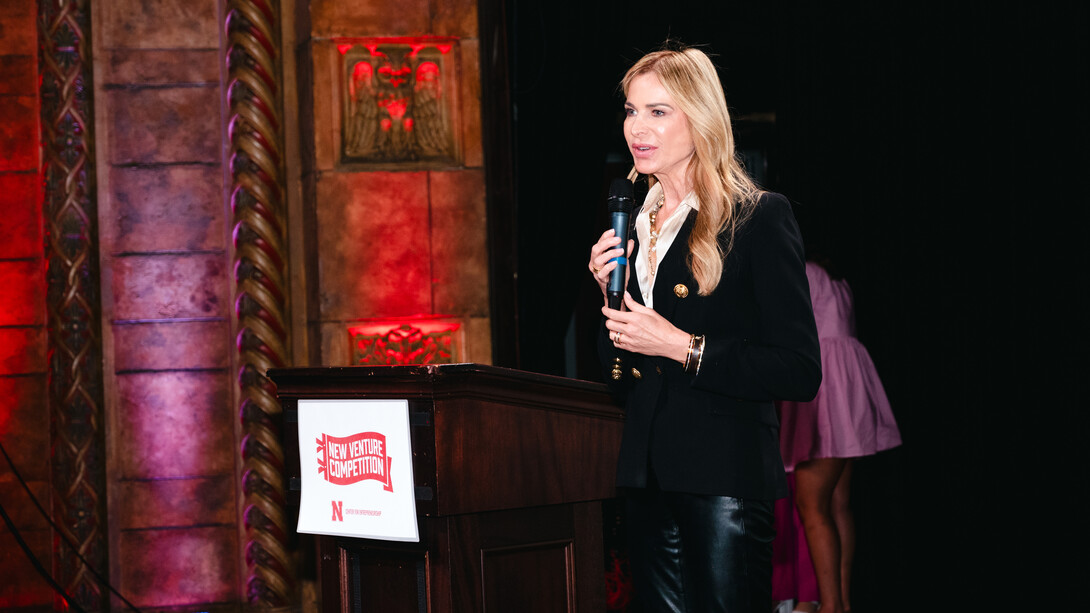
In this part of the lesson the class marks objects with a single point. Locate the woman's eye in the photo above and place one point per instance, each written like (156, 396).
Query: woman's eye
(629, 112)
(658, 112)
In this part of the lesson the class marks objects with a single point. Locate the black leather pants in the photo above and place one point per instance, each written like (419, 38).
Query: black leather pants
(700, 554)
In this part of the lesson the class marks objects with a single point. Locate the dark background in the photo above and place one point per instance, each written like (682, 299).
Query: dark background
(935, 153)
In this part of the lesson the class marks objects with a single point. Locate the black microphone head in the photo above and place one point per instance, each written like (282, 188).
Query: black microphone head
(620, 196)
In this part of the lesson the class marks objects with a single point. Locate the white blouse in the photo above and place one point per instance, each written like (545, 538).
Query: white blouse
(668, 231)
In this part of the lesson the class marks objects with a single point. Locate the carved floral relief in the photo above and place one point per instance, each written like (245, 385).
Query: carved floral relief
(406, 342)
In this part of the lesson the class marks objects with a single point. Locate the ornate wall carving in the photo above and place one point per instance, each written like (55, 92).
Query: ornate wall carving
(254, 131)
(423, 341)
(398, 104)
(72, 297)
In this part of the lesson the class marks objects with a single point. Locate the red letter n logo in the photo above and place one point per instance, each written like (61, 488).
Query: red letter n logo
(338, 510)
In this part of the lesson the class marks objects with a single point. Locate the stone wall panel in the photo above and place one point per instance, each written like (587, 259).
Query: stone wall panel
(22, 301)
(25, 425)
(22, 350)
(370, 18)
(161, 66)
(22, 585)
(201, 567)
(160, 24)
(172, 345)
(172, 503)
(18, 74)
(18, 133)
(373, 232)
(175, 208)
(470, 95)
(148, 126)
(455, 18)
(174, 424)
(170, 287)
(21, 221)
(18, 27)
(459, 255)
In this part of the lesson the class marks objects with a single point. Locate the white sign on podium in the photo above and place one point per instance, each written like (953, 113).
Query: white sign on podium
(356, 462)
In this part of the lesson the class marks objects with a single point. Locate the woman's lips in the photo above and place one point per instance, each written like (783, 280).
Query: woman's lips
(640, 150)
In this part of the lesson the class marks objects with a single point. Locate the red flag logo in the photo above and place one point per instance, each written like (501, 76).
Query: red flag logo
(351, 459)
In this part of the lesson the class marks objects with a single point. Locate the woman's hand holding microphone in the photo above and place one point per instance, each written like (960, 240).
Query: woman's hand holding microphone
(635, 328)
(602, 256)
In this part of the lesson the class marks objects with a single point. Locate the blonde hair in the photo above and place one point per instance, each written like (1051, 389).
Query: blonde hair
(725, 191)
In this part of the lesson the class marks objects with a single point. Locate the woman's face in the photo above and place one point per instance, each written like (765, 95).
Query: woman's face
(657, 131)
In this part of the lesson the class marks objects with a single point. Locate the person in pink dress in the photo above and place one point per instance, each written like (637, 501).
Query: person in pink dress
(849, 418)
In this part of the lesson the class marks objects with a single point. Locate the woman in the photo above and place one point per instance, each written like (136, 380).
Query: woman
(849, 418)
(715, 326)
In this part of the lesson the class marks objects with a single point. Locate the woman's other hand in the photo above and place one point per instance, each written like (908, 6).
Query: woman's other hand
(642, 330)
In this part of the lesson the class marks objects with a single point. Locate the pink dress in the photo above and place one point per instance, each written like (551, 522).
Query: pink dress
(850, 417)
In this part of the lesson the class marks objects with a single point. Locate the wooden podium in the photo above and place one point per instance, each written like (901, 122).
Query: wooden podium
(510, 470)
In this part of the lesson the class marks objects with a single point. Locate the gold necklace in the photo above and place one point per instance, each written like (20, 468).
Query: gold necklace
(652, 259)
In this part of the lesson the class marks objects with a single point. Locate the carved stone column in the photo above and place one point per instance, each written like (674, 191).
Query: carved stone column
(72, 298)
(254, 130)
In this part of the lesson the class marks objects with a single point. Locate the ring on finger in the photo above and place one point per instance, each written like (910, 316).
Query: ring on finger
(618, 341)
(595, 269)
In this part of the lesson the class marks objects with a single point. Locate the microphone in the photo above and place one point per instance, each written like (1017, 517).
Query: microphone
(620, 207)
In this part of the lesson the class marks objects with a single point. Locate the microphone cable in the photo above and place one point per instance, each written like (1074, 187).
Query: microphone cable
(64, 535)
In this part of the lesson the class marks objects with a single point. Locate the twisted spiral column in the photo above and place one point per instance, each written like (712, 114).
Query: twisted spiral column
(256, 204)
(73, 303)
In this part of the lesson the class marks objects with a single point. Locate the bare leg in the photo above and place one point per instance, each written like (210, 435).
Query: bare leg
(845, 526)
(815, 481)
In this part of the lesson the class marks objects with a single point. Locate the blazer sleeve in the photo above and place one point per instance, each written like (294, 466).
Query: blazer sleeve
(782, 359)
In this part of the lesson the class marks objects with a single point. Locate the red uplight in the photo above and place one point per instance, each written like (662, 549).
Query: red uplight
(444, 48)
(343, 48)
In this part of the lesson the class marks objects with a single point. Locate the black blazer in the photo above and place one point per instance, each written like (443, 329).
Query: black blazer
(717, 432)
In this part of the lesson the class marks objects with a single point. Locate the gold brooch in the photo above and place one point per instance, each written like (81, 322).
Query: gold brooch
(681, 291)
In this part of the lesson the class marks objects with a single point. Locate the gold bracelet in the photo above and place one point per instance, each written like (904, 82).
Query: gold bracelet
(699, 353)
(690, 363)
(689, 353)
(700, 356)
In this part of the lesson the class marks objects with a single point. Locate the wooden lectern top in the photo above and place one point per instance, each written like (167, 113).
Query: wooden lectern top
(484, 438)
